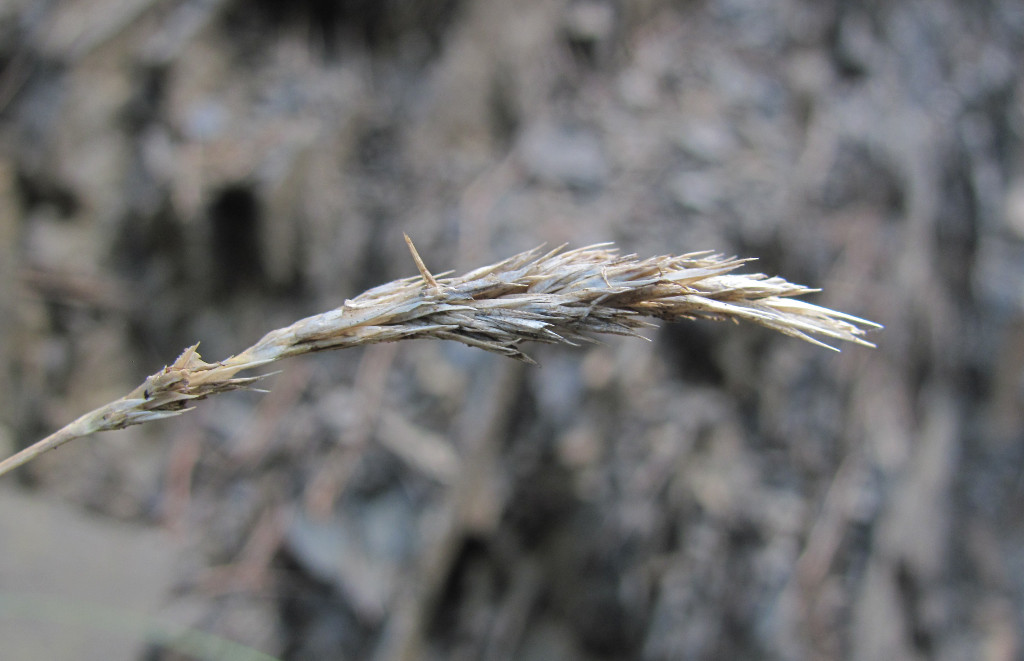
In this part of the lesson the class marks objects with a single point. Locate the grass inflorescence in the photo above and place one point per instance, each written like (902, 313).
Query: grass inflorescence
(558, 297)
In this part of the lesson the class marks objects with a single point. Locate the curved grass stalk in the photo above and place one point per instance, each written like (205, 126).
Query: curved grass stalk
(556, 297)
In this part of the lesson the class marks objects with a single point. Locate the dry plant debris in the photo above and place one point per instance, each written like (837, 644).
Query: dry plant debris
(561, 296)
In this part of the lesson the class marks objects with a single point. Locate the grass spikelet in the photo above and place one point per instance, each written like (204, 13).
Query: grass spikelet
(558, 297)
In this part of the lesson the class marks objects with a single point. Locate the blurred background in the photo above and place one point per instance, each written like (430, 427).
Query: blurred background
(174, 171)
